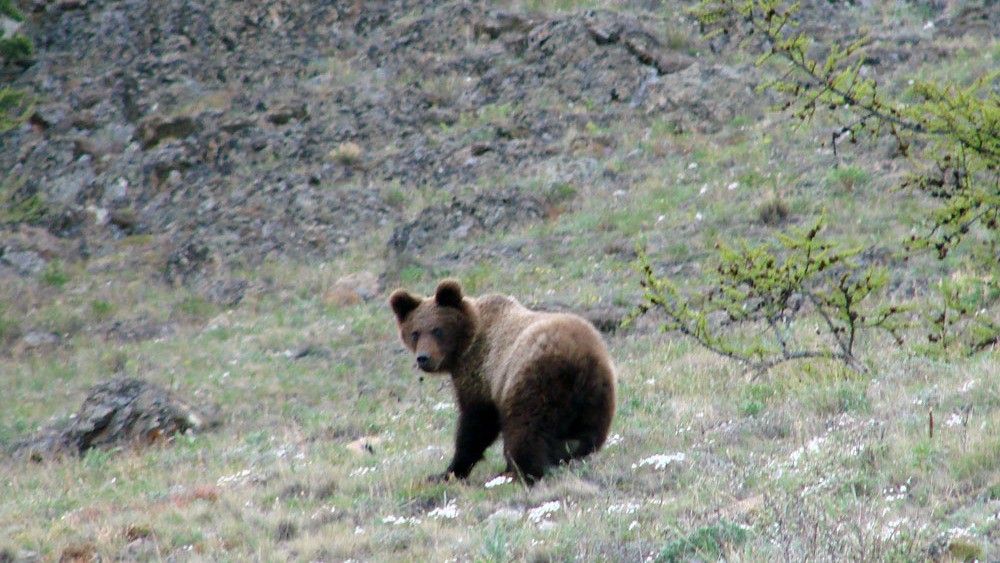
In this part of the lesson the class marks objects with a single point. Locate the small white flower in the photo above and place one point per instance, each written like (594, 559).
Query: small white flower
(954, 420)
(449, 511)
(732, 186)
(698, 216)
(627, 508)
(540, 513)
(660, 461)
(399, 520)
(498, 480)
(362, 471)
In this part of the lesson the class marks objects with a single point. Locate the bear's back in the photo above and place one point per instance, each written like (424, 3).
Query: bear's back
(515, 336)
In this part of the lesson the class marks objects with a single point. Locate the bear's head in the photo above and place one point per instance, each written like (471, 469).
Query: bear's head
(439, 329)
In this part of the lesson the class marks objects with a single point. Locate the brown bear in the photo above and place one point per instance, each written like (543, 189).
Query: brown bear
(543, 380)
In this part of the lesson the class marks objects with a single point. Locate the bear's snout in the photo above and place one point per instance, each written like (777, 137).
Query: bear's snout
(424, 362)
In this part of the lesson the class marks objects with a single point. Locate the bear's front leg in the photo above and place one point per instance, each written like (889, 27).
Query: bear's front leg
(478, 427)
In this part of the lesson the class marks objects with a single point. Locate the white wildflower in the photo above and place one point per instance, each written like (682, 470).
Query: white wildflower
(540, 513)
(449, 511)
(235, 479)
(659, 461)
(498, 480)
(399, 520)
(363, 471)
(627, 508)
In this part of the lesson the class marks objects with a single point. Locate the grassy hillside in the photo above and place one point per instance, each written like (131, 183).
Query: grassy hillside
(328, 432)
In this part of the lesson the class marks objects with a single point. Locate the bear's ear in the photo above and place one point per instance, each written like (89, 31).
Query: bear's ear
(403, 303)
(449, 294)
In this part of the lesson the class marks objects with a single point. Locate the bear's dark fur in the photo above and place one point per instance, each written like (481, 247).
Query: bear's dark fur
(543, 380)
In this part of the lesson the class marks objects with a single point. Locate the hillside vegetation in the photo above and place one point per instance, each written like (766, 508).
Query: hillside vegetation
(217, 198)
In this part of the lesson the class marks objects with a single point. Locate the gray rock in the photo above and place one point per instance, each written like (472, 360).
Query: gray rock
(26, 262)
(34, 340)
(119, 412)
(65, 188)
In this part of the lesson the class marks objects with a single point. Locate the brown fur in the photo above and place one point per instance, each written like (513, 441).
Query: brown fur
(543, 380)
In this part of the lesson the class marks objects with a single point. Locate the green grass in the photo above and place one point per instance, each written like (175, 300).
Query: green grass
(279, 478)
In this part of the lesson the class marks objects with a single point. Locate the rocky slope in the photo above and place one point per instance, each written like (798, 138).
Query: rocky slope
(240, 130)
(229, 132)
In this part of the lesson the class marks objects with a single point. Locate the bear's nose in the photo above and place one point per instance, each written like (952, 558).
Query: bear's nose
(423, 360)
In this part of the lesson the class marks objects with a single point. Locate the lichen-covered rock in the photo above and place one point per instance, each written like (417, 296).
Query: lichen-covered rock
(119, 412)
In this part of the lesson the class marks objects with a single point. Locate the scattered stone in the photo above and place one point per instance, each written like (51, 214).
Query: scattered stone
(353, 289)
(37, 340)
(287, 112)
(140, 549)
(73, 181)
(606, 319)
(159, 128)
(125, 219)
(79, 553)
(311, 350)
(187, 263)
(25, 262)
(135, 330)
(506, 515)
(286, 531)
(227, 293)
(55, 116)
(346, 153)
(365, 445)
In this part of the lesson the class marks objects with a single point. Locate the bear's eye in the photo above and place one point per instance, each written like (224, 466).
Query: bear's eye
(415, 336)
(437, 332)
